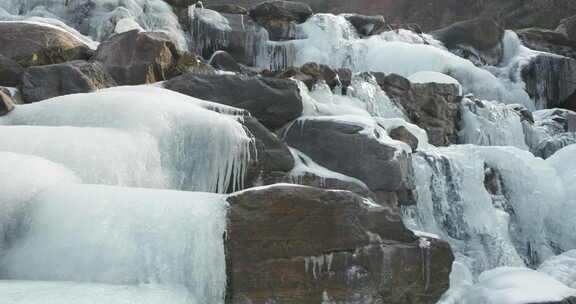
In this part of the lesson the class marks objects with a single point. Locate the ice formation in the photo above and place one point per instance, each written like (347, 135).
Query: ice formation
(135, 136)
(98, 19)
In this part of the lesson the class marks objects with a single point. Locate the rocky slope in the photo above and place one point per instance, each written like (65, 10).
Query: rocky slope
(287, 157)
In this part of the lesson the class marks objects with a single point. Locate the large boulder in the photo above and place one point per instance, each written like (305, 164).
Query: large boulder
(272, 159)
(551, 81)
(6, 103)
(280, 17)
(546, 40)
(10, 72)
(310, 74)
(479, 40)
(43, 82)
(136, 57)
(337, 144)
(295, 244)
(431, 106)
(30, 44)
(274, 102)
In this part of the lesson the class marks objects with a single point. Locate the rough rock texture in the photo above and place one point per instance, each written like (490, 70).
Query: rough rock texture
(6, 103)
(478, 40)
(294, 244)
(367, 25)
(568, 27)
(559, 127)
(272, 160)
(336, 146)
(228, 9)
(551, 81)
(402, 134)
(30, 44)
(310, 74)
(280, 17)
(274, 102)
(137, 57)
(43, 82)
(548, 41)
(431, 106)
(221, 60)
(10, 72)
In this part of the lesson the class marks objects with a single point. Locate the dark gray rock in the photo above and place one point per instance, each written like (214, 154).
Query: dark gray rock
(546, 40)
(272, 159)
(551, 81)
(293, 244)
(221, 60)
(47, 81)
(228, 9)
(6, 103)
(310, 74)
(337, 145)
(10, 72)
(478, 40)
(280, 17)
(274, 102)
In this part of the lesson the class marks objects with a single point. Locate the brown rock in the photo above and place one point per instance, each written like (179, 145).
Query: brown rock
(402, 134)
(136, 57)
(31, 44)
(294, 244)
(431, 106)
(10, 72)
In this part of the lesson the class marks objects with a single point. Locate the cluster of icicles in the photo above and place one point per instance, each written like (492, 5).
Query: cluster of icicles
(76, 216)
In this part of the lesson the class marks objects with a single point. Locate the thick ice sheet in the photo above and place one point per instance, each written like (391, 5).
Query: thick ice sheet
(136, 136)
(126, 236)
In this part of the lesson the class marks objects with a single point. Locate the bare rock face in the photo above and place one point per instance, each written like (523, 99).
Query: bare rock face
(551, 81)
(30, 44)
(43, 82)
(431, 106)
(136, 57)
(545, 40)
(10, 72)
(280, 17)
(274, 102)
(478, 40)
(295, 244)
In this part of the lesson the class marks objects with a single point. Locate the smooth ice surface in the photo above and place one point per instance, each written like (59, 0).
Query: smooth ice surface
(99, 19)
(512, 285)
(487, 123)
(126, 236)
(561, 267)
(35, 292)
(135, 136)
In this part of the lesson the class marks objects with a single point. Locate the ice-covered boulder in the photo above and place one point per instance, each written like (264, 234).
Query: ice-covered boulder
(47, 81)
(136, 57)
(274, 102)
(336, 143)
(222, 60)
(478, 40)
(551, 81)
(431, 106)
(30, 44)
(296, 244)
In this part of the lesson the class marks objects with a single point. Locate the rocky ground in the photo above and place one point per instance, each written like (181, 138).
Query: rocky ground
(330, 236)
